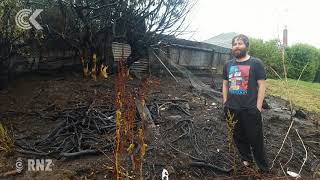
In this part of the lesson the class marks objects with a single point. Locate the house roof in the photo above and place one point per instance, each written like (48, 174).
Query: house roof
(222, 40)
(183, 43)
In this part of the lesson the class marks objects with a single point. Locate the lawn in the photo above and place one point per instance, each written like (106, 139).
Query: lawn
(305, 94)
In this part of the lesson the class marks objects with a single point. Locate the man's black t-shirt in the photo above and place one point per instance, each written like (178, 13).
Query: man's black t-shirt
(243, 86)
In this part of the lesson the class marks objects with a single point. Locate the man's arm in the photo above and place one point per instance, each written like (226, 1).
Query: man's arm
(261, 93)
(225, 83)
(225, 90)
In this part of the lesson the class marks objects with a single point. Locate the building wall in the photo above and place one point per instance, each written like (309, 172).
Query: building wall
(191, 58)
(50, 60)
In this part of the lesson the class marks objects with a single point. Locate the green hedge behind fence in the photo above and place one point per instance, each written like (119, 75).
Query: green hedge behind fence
(296, 57)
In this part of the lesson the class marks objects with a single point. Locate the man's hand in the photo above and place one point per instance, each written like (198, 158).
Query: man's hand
(224, 91)
(259, 108)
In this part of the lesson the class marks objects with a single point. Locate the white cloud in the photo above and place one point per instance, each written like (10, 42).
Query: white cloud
(256, 18)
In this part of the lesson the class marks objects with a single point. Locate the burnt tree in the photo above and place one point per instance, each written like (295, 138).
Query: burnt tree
(91, 26)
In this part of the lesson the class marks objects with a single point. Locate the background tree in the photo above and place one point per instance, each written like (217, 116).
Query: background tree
(10, 36)
(300, 55)
(90, 26)
(269, 52)
(296, 57)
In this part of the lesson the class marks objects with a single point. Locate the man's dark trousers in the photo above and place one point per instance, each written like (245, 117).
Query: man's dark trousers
(248, 133)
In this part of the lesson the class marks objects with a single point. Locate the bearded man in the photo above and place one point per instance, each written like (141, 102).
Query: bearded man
(243, 93)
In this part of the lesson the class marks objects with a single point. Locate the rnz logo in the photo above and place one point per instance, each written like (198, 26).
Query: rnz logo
(35, 165)
(19, 165)
(39, 165)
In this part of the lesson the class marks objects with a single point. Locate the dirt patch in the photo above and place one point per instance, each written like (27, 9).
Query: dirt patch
(189, 128)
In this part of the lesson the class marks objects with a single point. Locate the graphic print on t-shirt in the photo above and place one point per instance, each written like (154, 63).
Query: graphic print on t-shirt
(238, 79)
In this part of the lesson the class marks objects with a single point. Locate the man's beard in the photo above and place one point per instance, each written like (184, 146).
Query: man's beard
(240, 54)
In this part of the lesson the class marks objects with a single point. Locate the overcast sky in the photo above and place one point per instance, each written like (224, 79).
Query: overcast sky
(263, 19)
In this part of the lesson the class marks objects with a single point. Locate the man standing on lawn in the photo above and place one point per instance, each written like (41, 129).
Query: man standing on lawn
(243, 93)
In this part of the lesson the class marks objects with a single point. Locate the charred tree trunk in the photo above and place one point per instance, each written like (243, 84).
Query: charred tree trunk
(4, 75)
(5, 54)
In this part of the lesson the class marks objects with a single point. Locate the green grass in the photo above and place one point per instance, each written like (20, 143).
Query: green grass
(305, 95)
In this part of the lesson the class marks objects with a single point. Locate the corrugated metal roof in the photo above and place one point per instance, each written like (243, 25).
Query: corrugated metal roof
(223, 40)
(197, 45)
